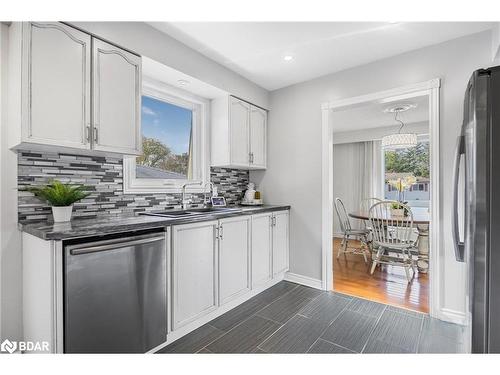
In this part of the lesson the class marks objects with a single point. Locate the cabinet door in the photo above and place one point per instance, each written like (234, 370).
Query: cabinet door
(234, 258)
(280, 242)
(117, 99)
(261, 249)
(258, 135)
(239, 133)
(194, 273)
(56, 85)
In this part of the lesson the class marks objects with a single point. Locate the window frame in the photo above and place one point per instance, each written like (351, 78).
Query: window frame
(424, 137)
(201, 164)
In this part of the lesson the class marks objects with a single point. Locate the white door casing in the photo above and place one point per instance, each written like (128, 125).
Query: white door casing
(431, 89)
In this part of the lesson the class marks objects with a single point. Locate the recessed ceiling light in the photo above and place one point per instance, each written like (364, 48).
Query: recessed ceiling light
(288, 58)
(183, 82)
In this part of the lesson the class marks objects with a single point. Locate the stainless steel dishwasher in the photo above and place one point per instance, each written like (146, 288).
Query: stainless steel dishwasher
(116, 295)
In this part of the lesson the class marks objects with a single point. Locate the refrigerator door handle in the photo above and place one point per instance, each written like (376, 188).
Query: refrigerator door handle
(457, 244)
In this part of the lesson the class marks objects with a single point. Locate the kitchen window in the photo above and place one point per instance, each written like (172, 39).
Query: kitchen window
(174, 142)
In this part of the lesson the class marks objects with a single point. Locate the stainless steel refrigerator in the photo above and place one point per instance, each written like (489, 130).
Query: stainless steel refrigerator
(476, 226)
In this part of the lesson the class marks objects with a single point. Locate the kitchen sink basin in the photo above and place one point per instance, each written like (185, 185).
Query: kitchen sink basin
(193, 212)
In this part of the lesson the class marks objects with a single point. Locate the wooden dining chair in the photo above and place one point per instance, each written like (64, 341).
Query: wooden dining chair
(393, 237)
(351, 234)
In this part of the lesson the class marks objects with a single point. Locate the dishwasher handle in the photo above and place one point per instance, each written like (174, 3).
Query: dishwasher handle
(110, 245)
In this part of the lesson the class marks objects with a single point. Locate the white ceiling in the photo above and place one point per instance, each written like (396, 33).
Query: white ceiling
(372, 115)
(256, 49)
(172, 77)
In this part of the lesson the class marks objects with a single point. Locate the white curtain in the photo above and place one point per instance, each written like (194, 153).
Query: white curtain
(357, 174)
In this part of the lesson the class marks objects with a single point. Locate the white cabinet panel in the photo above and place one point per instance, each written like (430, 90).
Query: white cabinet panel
(261, 249)
(239, 117)
(234, 257)
(258, 131)
(280, 242)
(117, 99)
(56, 85)
(194, 272)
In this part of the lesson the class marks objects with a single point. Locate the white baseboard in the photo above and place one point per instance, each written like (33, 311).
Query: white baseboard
(304, 280)
(452, 316)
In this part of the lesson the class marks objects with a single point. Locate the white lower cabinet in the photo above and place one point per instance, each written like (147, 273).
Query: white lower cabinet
(194, 271)
(218, 264)
(261, 249)
(280, 229)
(234, 258)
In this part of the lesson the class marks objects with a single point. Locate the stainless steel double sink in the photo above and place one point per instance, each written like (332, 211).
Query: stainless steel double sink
(193, 212)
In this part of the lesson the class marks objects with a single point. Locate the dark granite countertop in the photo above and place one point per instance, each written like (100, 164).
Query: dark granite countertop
(79, 228)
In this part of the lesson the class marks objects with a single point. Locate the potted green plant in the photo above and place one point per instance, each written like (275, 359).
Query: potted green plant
(61, 197)
(397, 210)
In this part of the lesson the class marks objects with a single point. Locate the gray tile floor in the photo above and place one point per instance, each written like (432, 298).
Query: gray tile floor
(291, 318)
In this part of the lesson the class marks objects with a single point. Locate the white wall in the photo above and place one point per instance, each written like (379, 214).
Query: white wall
(10, 240)
(148, 41)
(294, 156)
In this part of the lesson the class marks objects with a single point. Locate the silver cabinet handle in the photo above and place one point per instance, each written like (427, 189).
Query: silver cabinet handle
(96, 134)
(217, 228)
(114, 245)
(87, 133)
(221, 232)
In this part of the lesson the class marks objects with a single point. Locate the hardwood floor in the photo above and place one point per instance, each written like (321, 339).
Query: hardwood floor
(351, 275)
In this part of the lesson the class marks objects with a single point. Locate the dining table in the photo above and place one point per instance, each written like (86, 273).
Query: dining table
(421, 220)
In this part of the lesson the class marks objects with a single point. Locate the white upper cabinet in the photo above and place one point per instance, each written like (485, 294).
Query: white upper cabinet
(50, 82)
(117, 99)
(239, 134)
(258, 138)
(56, 88)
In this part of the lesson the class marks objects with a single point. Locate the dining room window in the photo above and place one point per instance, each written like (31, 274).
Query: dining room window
(407, 176)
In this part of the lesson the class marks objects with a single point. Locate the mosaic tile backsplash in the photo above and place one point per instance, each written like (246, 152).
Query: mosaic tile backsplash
(104, 178)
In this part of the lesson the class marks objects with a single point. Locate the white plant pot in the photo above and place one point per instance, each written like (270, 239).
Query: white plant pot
(398, 212)
(62, 214)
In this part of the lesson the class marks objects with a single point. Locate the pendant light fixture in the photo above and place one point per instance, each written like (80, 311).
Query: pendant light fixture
(400, 139)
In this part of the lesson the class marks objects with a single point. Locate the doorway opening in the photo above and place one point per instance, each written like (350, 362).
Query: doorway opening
(366, 172)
